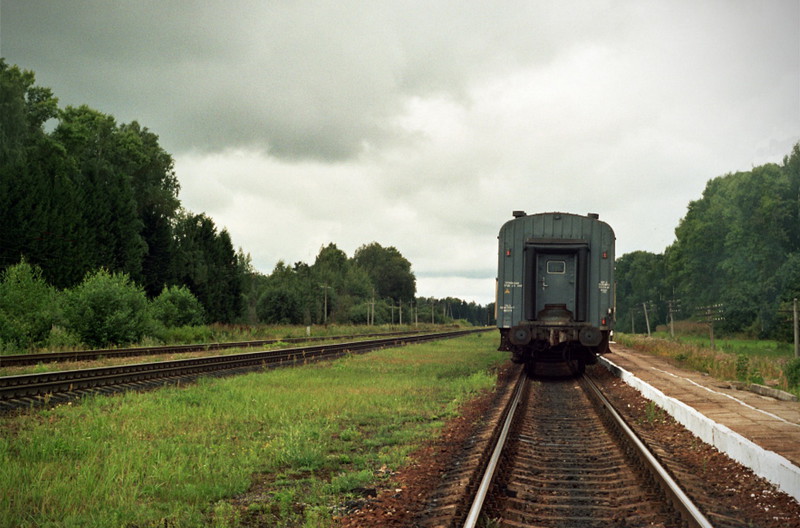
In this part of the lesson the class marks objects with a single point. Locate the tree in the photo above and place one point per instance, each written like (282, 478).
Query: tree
(93, 194)
(641, 279)
(24, 109)
(176, 306)
(735, 246)
(40, 210)
(389, 271)
(341, 284)
(282, 300)
(206, 263)
(28, 306)
(113, 229)
(107, 309)
(155, 190)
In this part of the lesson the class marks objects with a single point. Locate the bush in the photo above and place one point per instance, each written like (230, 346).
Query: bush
(792, 373)
(742, 367)
(186, 334)
(280, 305)
(107, 309)
(28, 306)
(60, 338)
(176, 306)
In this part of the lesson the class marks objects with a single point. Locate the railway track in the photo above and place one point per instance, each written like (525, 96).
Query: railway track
(561, 456)
(42, 388)
(88, 355)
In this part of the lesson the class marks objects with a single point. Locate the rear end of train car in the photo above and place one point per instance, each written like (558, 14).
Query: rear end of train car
(555, 287)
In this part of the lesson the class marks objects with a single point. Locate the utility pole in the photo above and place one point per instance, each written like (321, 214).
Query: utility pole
(325, 304)
(674, 306)
(796, 330)
(400, 309)
(646, 318)
(671, 323)
(714, 312)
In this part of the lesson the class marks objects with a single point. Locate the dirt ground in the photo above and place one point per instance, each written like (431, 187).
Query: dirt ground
(398, 507)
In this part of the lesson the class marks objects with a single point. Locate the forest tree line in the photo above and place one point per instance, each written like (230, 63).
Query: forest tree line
(736, 254)
(85, 198)
(374, 286)
(92, 194)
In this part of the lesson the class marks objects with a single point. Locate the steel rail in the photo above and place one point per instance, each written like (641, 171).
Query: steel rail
(491, 467)
(78, 355)
(688, 511)
(27, 385)
(679, 500)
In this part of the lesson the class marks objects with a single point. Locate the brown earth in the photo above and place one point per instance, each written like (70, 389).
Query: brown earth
(400, 506)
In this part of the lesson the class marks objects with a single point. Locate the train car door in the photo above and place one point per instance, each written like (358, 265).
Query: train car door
(555, 280)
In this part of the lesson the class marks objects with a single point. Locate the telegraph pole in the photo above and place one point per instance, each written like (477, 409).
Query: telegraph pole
(325, 304)
(646, 318)
(674, 306)
(709, 314)
(796, 330)
(671, 323)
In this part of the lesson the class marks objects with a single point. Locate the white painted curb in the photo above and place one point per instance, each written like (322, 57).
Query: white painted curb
(767, 464)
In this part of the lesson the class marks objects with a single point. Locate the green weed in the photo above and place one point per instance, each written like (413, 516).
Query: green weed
(734, 359)
(289, 444)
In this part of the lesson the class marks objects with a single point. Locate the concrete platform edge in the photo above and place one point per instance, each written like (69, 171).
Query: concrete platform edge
(767, 464)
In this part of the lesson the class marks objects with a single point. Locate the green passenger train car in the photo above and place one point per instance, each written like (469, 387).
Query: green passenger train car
(555, 287)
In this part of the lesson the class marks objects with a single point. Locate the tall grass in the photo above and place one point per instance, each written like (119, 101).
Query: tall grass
(733, 359)
(299, 439)
(62, 340)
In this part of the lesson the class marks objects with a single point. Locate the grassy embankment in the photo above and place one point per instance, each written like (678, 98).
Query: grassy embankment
(222, 333)
(752, 361)
(175, 457)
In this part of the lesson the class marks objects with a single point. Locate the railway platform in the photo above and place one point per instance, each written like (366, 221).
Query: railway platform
(759, 431)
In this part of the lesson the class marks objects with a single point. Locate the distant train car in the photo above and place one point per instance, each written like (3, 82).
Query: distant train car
(555, 287)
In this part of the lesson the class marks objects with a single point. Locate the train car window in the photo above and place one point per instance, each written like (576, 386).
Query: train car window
(556, 267)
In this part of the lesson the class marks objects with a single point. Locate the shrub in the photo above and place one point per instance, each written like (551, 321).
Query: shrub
(107, 309)
(742, 367)
(28, 306)
(186, 334)
(792, 373)
(61, 338)
(177, 306)
(280, 305)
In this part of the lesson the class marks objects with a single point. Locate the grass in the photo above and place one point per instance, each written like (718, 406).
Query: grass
(221, 333)
(754, 347)
(275, 332)
(743, 360)
(289, 444)
(110, 361)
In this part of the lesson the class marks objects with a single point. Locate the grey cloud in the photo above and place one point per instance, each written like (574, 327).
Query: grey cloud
(303, 80)
(351, 121)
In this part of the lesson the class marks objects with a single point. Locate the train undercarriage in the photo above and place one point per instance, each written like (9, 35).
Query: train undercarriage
(531, 344)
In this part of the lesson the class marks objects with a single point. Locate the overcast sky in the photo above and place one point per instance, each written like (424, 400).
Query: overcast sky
(423, 124)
